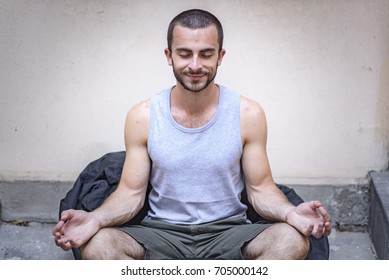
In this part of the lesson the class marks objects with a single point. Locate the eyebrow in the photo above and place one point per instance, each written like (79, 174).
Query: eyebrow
(189, 50)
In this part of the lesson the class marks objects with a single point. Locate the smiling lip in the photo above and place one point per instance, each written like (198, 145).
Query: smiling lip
(195, 77)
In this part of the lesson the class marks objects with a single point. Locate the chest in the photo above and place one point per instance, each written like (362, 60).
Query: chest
(193, 120)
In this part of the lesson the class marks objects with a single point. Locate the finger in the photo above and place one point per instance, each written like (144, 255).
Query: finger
(57, 236)
(67, 214)
(75, 244)
(324, 213)
(56, 241)
(327, 229)
(314, 204)
(308, 231)
(319, 231)
(58, 227)
(64, 243)
(61, 244)
(65, 246)
(62, 240)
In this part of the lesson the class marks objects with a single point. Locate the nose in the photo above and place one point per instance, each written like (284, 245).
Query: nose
(195, 64)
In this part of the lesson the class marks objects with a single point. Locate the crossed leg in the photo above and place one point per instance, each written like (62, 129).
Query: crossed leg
(278, 242)
(112, 244)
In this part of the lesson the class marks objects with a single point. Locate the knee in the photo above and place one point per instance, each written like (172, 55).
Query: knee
(279, 241)
(293, 241)
(96, 247)
(111, 244)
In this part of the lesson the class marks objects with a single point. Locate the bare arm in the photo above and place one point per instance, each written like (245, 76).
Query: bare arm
(129, 197)
(263, 194)
(310, 218)
(76, 227)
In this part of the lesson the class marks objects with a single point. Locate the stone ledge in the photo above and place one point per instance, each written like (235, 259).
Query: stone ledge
(38, 201)
(348, 205)
(31, 201)
(379, 213)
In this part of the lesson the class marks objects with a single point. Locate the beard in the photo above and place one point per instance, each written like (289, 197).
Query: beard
(194, 86)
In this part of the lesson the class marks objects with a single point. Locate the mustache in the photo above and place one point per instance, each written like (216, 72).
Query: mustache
(201, 72)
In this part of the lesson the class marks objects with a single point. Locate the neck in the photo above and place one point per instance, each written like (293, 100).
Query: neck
(194, 109)
(194, 102)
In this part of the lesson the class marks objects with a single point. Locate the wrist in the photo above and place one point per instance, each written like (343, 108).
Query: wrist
(97, 219)
(288, 213)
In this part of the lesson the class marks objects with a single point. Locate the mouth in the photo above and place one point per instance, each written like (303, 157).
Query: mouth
(195, 76)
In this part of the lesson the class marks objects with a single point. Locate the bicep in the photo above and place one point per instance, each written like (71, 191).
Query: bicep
(262, 193)
(255, 166)
(136, 169)
(255, 161)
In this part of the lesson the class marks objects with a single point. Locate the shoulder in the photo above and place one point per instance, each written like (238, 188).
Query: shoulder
(252, 119)
(137, 121)
(251, 111)
(139, 112)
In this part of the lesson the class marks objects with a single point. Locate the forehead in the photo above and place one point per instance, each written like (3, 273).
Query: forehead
(195, 38)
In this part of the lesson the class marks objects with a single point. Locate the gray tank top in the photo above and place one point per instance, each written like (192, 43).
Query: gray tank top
(196, 173)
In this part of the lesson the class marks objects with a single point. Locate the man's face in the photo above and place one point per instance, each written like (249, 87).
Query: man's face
(195, 57)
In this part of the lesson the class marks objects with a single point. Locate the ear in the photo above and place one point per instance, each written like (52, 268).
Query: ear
(221, 55)
(168, 56)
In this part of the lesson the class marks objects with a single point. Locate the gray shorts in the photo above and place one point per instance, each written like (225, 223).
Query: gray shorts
(216, 240)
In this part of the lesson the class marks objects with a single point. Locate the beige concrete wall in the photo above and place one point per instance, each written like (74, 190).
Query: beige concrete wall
(69, 71)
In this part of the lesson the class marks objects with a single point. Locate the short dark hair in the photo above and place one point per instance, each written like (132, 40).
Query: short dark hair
(195, 19)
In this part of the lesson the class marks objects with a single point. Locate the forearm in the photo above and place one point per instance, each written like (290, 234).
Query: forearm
(269, 202)
(120, 207)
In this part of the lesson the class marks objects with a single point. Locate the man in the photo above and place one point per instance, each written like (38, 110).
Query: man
(199, 145)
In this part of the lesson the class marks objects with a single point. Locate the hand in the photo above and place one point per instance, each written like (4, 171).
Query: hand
(74, 229)
(310, 218)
